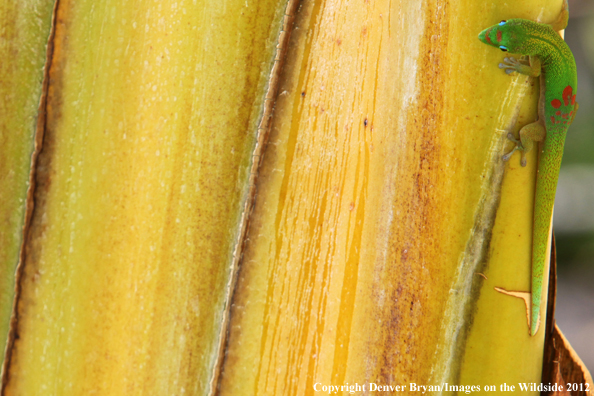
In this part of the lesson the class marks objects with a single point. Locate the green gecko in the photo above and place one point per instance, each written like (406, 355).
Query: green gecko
(551, 59)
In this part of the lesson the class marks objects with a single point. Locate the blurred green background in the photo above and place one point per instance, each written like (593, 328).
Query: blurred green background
(574, 206)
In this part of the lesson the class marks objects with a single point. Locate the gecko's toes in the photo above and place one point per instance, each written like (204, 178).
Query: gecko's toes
(507, 156)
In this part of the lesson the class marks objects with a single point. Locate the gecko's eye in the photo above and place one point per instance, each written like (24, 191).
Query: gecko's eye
(503, 48)
(503, 22)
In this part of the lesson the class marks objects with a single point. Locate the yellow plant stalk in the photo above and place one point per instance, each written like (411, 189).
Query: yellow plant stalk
(383, 218)
(377, 201)
(152, 114)
(24, 30)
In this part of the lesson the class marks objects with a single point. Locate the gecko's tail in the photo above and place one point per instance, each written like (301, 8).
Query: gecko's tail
(534, 318)
(546, 186)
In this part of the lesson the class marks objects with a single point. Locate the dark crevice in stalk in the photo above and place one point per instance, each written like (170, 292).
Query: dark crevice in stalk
(270, 95)
(479, 252)
(475, 261)
(13, 334)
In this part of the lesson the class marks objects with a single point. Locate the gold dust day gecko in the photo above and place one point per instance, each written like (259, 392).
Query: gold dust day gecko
(549, 57)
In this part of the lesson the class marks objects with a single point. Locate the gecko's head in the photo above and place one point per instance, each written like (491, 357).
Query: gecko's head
(506, 35)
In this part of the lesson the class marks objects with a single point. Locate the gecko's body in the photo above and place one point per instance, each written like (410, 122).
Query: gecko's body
(552, 59)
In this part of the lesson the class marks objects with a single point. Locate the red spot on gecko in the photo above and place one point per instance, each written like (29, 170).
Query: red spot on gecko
(553, 119)
(567, 92)
(488, 37)
(556, 103)
(558, 112)
(573, 100)
(499, 36)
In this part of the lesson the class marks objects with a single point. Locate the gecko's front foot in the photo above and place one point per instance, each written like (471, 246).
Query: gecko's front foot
(518, 146)
(529, 66)
(512, 65)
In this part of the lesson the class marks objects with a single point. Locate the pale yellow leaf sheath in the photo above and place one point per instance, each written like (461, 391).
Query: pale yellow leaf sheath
(152, 115)
(24, 30)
